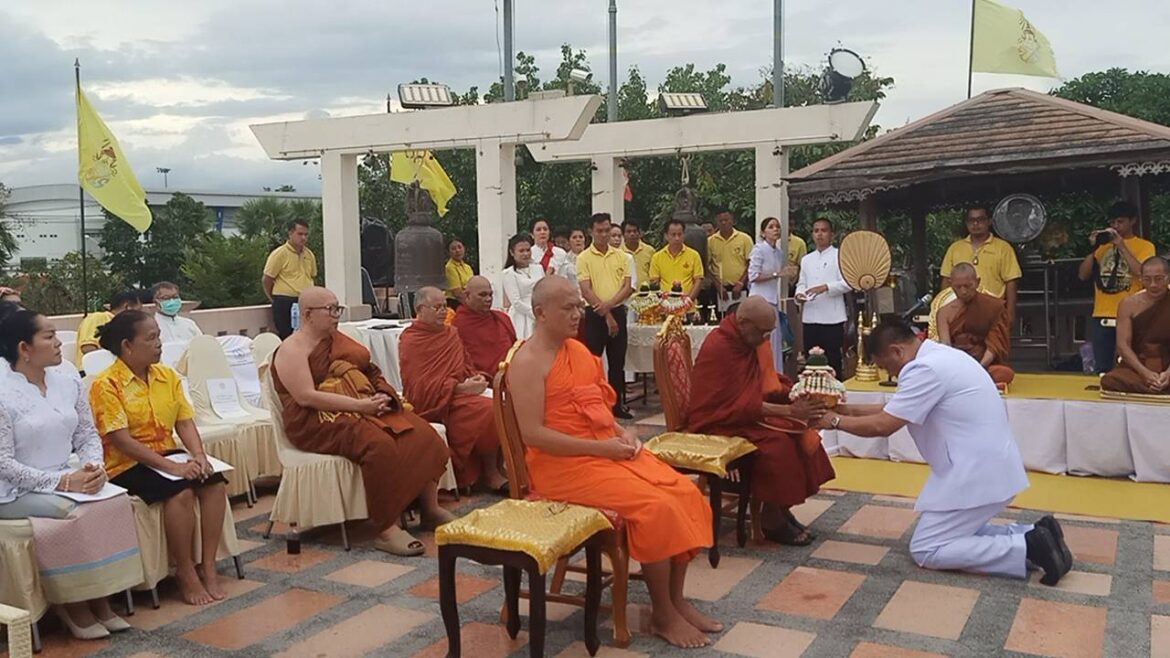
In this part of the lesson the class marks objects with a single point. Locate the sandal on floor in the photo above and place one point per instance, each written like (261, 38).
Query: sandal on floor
(401, 544)
(789, 535)
(795, 522)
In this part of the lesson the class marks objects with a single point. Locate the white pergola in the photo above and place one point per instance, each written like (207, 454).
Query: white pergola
(493, 130)
(769, 132)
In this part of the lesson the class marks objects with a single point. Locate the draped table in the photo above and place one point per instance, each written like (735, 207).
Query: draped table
(381, 338)
(640, 347)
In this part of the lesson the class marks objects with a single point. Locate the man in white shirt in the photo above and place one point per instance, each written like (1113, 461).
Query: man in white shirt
(172, 327)
(821, 289)
(954, 413)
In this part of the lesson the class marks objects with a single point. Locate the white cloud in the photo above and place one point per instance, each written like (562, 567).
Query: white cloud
(163, 92)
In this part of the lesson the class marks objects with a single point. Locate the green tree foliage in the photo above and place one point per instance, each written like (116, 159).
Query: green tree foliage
(179, 227)
(264, 218)
(226, 271)
(55, 288)
(1139, 94)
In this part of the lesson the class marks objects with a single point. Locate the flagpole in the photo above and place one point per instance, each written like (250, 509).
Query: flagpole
(81, 207)
(971, 51)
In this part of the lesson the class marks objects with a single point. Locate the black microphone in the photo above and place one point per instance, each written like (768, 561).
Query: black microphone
(923, 302)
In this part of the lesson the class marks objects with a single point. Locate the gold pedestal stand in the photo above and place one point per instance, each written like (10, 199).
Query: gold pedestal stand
(866, 372)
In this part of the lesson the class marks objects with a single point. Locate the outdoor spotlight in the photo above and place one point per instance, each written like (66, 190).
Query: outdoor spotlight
(674, 103)
(579, 75)
(845, 66)
(422, 96)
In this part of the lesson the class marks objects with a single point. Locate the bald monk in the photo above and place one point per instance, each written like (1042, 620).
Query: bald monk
(737, 392)
(444, 387)
(1143, 335)
(334, 401)
(578, 453)
(487, 333)
(977, 323)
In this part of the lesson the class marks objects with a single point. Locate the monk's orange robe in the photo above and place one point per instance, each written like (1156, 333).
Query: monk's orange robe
(433, 362)
(1150, 338)
(487, 337)
(982, 325)
(731, 381)
(398, 452)
(665, 513)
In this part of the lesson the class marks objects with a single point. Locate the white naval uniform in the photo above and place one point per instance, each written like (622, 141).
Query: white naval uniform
(959, 423)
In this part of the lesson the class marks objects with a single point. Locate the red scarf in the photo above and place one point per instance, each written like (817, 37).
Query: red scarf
(547, 257)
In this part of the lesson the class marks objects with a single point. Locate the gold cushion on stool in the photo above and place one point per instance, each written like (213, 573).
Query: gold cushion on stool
(699, 452)
(544, 530)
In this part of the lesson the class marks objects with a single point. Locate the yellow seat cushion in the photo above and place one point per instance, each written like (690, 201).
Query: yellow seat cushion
(544, 530)
(699, 452)
(1155, 398)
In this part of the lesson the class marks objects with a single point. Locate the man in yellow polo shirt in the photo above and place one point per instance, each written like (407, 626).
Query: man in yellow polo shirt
(677, 263)
(290, 268)
(642, 252)
(994, 259)
(87, 340)
(604, 275)
(728, 251)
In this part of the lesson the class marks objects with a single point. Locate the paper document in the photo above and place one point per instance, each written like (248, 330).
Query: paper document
(225, 398)
(183, 457)
(107, 491)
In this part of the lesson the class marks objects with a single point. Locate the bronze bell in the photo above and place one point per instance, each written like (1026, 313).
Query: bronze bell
(419, 252)
(686, 203)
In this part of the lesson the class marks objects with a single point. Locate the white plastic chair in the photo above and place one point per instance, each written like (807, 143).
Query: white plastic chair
(172, 353)
(96, 361)
(238, 350)
(65, 335)
(263, 345)
(69, 351)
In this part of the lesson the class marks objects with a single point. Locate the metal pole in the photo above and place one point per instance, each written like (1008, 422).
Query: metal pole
(611, 109)
(971, 51)
(81, 201)
(778, 54)
(509, 64)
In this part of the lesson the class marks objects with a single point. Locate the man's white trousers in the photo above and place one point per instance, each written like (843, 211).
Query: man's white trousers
(963, 540)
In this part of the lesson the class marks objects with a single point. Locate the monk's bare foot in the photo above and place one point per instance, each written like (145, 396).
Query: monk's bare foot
(696, 618)
(191, 588)
(210, 578)
(675, 629)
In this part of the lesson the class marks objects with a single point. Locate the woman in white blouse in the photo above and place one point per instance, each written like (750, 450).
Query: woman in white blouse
(551, 258)
(44, 418)
(765, 266)
(519, 277)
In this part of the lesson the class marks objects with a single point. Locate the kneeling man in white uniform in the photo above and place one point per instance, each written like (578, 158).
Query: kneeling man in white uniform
(959, 423)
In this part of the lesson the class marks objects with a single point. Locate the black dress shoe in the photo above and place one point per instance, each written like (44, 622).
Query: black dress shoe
(1044, 552)
(1050, 523)
(623, 413)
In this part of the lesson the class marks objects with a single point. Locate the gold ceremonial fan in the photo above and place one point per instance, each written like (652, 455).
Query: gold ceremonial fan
(865, 260)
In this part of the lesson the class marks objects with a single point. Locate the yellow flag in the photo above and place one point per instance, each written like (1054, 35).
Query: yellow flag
(104, 171)
(422, 166)
(1003, 41)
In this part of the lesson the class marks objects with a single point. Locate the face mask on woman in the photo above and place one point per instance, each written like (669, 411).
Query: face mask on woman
(170, 306)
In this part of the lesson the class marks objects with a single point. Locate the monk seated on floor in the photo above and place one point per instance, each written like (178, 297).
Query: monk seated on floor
(440, 381)
(487, 333)
(577, 453)
(736, 391)
(335, 402)
(1143, 336)
(977, 323)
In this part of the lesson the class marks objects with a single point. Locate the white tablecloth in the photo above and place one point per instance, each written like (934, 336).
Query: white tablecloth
(382, 343)
(1107, 438)
(640, 350)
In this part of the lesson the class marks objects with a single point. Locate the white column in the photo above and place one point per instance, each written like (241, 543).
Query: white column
(772, 193)
(495, 183)
(609, 188)
(339, 208)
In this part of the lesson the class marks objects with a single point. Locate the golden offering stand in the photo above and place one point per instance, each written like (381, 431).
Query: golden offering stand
(865, 260)
(866, 371)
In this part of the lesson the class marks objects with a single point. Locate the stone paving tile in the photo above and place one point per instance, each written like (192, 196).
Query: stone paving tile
(283, 562)
(847, 551)
(1162, 591)
(467, 587)
(763, 641)
(269, 617)
(810, 510)
(809, 592)
(479, 640)
(1159, 636)
(1061, 630)
(707, 584)
(927, 609)
(1097, 545)
(1079, 582)
(1162, 553)
(879, 521)
(369, 573)
(172, 608)
(360, 634)
(874, 650)
(578, 650)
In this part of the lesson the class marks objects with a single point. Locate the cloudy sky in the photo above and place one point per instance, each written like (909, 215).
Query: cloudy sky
(179, 83)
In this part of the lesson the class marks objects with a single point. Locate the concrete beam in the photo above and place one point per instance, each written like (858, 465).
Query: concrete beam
(722, 131)
(453, 127)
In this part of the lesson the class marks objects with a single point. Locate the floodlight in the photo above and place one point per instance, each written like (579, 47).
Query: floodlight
(845, 66)
(579, 75)
(422, 96)
(676, 103)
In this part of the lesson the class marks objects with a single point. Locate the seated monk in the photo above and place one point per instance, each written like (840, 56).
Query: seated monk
(487, 333)
(335, 402)
(736, 391)
(444, 387)
(977, 323)
(1143, 336)
(577, 453)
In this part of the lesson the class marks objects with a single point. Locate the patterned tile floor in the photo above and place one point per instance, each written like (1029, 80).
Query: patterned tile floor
(854, 592)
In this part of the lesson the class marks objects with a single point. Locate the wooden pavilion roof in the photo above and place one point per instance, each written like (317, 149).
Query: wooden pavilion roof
(1003, 132)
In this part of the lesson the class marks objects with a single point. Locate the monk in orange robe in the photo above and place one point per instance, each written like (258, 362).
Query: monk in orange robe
(444, 387)
(977, 323)
(487, 333)
(334, 401)
(737, 392)
(1143, 336)
(577, 452)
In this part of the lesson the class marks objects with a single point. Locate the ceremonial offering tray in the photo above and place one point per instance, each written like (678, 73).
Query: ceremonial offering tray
(652, 306)
(818, 381)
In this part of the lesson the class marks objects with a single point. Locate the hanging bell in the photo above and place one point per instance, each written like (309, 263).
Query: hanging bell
(685, 210)
(419, 252)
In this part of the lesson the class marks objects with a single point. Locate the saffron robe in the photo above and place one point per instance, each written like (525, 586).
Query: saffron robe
(433, 362)
(731, 382)
(664, 512)
(398, 452)
(1150, 338)
(487, 337)
(982, 324)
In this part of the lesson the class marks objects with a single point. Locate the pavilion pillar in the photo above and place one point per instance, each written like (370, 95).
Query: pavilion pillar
(918, 245)
(341, 232)
(867, 213)
(495, 194)
(608, 183)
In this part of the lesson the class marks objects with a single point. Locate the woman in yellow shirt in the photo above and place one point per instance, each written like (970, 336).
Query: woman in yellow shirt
(458, 273)
(139, 405)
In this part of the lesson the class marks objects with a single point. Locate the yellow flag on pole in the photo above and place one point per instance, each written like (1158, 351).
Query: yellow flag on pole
(422, 166)
(103, 170)
(1004, 41)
